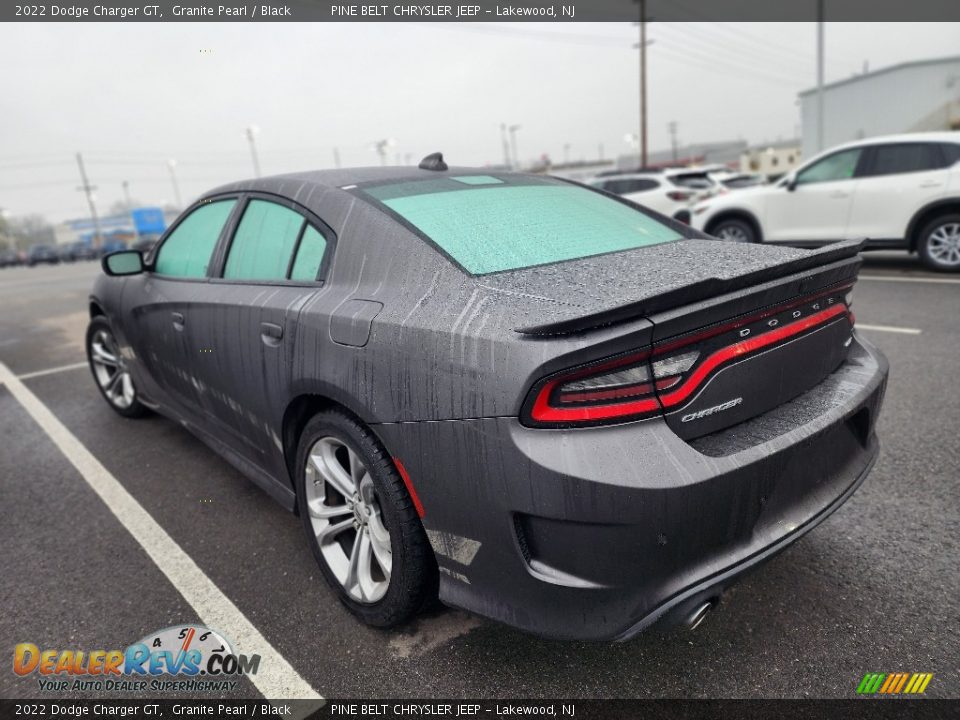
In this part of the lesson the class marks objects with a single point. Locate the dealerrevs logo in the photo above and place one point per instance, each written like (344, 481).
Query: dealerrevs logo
(172, 659)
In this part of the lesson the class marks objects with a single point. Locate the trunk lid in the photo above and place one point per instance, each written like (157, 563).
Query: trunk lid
(737, 329)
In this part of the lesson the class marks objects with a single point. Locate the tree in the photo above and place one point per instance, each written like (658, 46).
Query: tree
(28, 230)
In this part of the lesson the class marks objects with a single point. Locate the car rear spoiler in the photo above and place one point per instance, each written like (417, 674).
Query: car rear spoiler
(707, 288)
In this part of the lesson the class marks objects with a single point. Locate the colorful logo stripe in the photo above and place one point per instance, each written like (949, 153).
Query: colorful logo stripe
(894, 683)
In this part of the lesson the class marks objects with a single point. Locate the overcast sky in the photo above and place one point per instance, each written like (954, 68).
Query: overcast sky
(130, 96)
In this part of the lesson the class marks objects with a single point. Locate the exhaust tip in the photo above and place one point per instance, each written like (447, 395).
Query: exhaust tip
(700, 614)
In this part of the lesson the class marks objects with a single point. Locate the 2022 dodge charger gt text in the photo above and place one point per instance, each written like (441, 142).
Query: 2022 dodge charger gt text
(545, 404)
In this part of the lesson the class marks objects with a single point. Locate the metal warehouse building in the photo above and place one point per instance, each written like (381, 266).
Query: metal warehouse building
(911, 97)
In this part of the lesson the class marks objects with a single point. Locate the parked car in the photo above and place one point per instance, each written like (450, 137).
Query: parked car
(670, 192)
(548, 406)
(10, 258)
(78, 250)
(42, 254)
(730, 180)
(899, 192)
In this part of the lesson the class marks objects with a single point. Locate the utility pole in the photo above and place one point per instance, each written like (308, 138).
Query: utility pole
(566, 153)
(643, 83)
(172, 167)
(251, 132)
(672, 126)
(506, 145)
(513, 145)
(88, 189)
(820, 75)
(336, 158)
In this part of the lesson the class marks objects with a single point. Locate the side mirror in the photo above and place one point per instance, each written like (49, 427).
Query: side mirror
(123, 262)
(792, 184)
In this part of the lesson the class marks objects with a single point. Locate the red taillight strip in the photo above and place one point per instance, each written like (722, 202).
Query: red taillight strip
(744, 347)
(544, 412)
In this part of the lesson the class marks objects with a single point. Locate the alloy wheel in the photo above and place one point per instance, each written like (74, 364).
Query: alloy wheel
(108, 368)
(943, 245)
(346, 518)
(732, 233)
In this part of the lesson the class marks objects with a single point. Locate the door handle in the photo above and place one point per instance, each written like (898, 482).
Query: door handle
(178, 320)
(271, 333)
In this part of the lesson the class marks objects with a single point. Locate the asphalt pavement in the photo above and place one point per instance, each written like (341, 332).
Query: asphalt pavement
(875, 588)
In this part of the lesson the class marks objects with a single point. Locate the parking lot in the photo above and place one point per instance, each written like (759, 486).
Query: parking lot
(874, 588)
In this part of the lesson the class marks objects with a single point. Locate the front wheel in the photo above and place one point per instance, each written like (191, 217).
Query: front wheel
(734, 230)
(939, 244)
(360, 522)
(110, 371)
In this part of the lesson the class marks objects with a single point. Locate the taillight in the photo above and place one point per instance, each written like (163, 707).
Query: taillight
(679, 196)
(640, 385)
(619, 389)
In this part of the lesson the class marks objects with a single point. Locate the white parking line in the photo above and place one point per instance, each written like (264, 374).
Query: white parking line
(890, 329)
(276, 678)
(51, 371)
(895, 278)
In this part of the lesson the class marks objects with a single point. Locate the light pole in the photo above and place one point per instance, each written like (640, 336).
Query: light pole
(251, 134)
(506, 145)
(172, 167)
(129, 204)
(513, 145)
(381, 147)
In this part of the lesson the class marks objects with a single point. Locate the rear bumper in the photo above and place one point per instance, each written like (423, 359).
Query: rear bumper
(599, 533)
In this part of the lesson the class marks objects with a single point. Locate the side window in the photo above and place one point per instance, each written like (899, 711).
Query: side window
(905, 158)
(839, 166)
(313, 245)
(640, 185)
(263, 242)
(186, 251)
(951, 153)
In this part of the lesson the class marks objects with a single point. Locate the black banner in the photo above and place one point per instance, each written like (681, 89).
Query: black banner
(855, 709)
(478, 11)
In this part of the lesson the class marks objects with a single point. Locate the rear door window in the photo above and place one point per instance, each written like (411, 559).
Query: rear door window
(187, 250)
(902, 158)
(313, 246)
(264, 242)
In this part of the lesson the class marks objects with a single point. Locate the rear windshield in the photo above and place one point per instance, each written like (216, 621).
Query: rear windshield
(488, 223)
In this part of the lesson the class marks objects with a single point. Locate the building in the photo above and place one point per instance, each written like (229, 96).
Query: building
(119, 228)
(772, 159)
(911, 97)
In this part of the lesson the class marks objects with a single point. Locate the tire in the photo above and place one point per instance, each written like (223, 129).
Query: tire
(109, 371)
(380, 596)
(734, 230)
(939, 244)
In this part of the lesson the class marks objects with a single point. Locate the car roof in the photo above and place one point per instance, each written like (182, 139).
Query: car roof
(944, 136)
(345, 177)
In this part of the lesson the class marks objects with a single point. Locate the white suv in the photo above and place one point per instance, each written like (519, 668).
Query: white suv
(669, 192)
(901, 191)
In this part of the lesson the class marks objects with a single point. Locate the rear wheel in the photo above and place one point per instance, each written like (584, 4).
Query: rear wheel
(361, 523)
(734, 230)
(110, 371)
(939, 244)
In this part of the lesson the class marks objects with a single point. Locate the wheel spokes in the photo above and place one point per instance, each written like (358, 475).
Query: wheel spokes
(325, 461)
(340, 496)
